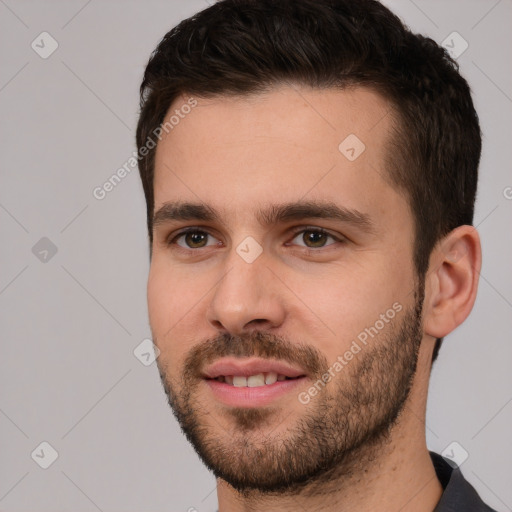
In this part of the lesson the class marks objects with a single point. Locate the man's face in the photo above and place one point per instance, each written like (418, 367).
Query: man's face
(325, 298)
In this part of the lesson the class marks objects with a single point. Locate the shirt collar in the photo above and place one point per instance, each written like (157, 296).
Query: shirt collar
(458, 493)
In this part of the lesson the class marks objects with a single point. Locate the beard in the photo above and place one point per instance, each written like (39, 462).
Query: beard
(341, 431)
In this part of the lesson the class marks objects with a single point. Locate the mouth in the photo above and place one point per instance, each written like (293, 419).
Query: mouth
(251, 382)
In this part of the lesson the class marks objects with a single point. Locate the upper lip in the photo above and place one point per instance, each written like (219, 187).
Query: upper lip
(252, 366)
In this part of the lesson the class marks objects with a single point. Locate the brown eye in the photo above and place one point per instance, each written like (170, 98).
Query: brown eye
(313, 238)
(194, 239)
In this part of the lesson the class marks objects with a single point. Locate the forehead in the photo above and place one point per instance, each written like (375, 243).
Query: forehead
(282, 145)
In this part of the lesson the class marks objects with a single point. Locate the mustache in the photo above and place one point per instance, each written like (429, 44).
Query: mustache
(256, 344)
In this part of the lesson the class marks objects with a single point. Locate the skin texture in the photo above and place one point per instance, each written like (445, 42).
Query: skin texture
(241, 155)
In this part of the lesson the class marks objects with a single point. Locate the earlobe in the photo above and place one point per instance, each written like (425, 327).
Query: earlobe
(452, 281)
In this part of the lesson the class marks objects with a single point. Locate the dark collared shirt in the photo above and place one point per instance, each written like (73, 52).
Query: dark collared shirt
(459, 495)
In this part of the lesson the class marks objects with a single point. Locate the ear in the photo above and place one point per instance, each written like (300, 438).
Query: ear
(452, 281)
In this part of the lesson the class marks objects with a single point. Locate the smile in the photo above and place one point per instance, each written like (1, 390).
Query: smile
(252, 381)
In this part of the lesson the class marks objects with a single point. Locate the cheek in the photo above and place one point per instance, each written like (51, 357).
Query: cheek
(159, 300)
(173, 305)
(169, 290)
(335, 308)
(167, 303)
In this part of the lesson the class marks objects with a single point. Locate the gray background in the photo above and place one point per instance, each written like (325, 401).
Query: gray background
(71, 322)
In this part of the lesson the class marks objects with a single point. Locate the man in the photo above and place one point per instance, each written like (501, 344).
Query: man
(309, 204)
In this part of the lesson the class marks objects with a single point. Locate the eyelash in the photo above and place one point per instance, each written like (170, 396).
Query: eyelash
(173, 241)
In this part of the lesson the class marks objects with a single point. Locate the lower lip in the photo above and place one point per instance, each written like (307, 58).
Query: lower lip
(252, 397)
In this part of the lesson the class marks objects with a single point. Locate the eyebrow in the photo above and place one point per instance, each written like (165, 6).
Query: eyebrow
(272, 214)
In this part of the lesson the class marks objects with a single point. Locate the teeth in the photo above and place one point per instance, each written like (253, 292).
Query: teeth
(253, 381)
(256, 380)
(270, 378)
(239, 381)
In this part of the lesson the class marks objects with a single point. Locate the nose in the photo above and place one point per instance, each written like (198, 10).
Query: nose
(247, 297)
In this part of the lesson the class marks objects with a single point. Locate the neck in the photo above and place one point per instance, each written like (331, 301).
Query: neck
(401, 477)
